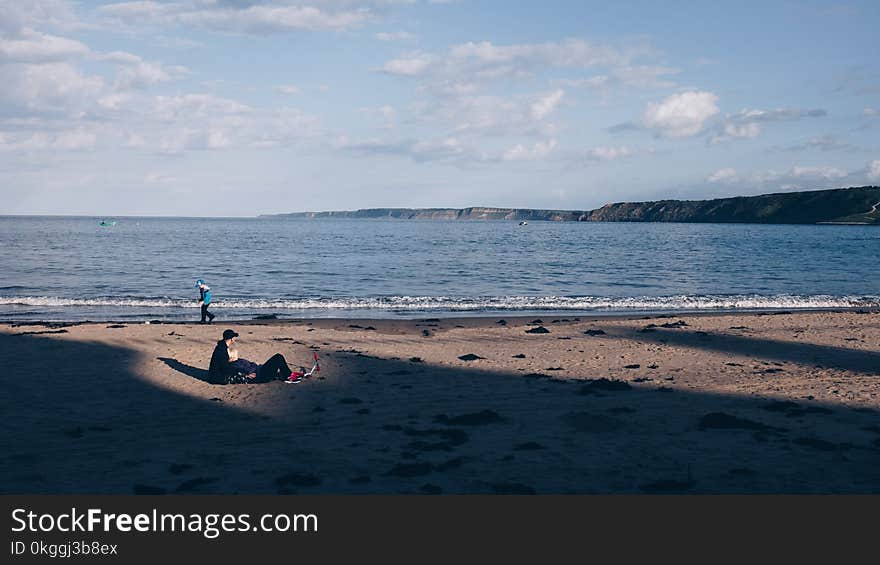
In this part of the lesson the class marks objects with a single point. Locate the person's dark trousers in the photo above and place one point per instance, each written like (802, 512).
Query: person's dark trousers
(205, 313)
(274, 369)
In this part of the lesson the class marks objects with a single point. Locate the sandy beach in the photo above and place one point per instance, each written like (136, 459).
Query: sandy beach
(745, 403)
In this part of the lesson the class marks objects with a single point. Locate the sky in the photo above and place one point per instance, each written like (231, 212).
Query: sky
(247, 107)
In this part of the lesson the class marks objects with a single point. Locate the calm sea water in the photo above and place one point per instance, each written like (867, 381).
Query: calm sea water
(145, 268)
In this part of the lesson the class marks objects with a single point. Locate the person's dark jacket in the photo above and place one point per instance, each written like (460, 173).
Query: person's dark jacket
(220, 368)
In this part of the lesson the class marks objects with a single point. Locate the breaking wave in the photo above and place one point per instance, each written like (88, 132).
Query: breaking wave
(464, 304)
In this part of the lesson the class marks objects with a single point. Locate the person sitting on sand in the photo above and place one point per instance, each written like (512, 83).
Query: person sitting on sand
(228, 368)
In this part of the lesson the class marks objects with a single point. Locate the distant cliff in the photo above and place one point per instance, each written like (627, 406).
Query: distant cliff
(860, 205)
(446, 214)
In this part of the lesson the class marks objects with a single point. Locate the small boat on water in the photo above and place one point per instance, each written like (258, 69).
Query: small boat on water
(523, 223)
(107, 224)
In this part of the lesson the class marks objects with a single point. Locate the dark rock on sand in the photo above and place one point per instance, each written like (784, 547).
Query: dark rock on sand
(519, 356)
(536, 376)
(415, 360)
(594, 332)
(470, 357)
(115, 326)
(266, 317)
(633, 366)
(554, 369)
(603, 384)
(501, 322)
(426, 333)
(538, 330)
(678, 324)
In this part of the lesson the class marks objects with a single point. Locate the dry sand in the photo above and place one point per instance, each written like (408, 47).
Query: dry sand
(784, 403)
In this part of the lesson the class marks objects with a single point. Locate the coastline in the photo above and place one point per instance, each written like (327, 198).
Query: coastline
(732, 403)
(477, 319)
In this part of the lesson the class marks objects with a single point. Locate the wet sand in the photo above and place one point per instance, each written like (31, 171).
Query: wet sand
(745, 403)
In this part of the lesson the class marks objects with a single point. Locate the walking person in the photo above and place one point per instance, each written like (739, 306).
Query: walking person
(204, 300)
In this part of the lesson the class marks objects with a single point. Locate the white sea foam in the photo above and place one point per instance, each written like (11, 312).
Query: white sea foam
(467, 304)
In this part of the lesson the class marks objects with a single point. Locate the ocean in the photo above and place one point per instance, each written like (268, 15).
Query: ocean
(74, 269)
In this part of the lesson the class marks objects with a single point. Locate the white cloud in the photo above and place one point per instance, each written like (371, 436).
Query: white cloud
(395, 36)
(411, 65)
(113, 101)
(823, 142)
(870, 112)
(796, 177)
(746, 124)
(18, 14)
(680, 115)
(189, 106)
(827, 173)
(609, 153)
(77, 139)
(520, 152)
(248, 17)
(727, 175)
(545, 105)
(446, 149)
(733, 131)
(643, 77)
(874, 170)
(486, 62)
(31, 46)
(156, 177)
(135, 72)
(50, 87)
(287, 89)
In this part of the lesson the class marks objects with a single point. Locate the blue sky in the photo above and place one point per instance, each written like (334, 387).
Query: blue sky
(243, 107)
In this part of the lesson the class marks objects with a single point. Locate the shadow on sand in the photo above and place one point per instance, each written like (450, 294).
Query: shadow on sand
(188, 370)
(824, 356)
(394, 426)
